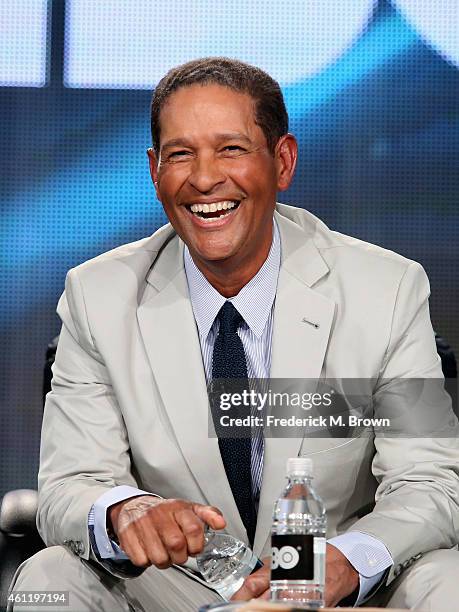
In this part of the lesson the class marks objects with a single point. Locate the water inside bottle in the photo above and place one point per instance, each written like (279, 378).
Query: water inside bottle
(225, 562)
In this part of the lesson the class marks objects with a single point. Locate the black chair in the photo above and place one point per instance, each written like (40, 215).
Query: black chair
(448, 359)
(19, 537)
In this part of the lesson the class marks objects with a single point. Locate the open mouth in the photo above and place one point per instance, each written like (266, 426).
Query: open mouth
(215, 210)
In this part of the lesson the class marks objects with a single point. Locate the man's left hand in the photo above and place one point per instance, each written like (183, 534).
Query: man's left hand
(341, 580)
(256, 586)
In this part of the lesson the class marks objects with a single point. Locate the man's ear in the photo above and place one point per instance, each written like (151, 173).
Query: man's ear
(285, 154)
(153, 161)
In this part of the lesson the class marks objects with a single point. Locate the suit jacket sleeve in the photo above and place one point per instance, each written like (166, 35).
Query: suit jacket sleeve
(84, 443)
(417, 500)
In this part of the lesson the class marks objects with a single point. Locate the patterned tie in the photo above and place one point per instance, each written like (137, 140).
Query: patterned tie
(228, 361)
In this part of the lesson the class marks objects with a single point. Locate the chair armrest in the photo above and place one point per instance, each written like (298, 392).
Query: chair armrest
(18, 512)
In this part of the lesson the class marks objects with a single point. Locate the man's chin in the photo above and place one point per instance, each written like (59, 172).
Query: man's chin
(214, 257)
(221, 253)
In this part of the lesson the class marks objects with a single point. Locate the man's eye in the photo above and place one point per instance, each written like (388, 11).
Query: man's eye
(233, 149)
(177, 154)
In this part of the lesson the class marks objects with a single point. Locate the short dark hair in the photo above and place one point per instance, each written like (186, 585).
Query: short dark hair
(270, 112)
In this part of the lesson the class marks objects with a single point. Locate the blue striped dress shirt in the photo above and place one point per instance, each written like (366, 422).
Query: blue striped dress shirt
(254, 302)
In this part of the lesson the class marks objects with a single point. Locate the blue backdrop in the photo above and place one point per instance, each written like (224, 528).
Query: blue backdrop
(372, 89)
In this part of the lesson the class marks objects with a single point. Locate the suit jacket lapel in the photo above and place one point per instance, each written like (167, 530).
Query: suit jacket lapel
(171, 339)
(302, 322)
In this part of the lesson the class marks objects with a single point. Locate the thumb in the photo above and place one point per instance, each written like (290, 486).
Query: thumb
(210, 515)
(253, 586)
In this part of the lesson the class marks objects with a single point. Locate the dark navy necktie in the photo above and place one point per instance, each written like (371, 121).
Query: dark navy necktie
(229, 362)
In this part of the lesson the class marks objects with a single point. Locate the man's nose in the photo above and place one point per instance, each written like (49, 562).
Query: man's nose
(206, 173)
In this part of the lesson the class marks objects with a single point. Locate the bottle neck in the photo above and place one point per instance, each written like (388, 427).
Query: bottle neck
(298, 487)
(299, 479)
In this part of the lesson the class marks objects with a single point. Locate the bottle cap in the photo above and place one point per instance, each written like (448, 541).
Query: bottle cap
(299, 466)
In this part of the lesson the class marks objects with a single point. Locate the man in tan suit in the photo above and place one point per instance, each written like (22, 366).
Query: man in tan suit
(128, 473)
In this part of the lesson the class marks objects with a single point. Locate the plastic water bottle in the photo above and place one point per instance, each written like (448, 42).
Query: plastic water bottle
(225, 562)
(298, 540)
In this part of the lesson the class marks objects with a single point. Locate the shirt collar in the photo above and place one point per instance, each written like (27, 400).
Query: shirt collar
(253, 302)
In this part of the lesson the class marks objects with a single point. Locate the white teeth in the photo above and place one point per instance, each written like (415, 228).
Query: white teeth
(213, 207)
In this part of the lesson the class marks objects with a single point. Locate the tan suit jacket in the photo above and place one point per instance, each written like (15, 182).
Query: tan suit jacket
(129, 402)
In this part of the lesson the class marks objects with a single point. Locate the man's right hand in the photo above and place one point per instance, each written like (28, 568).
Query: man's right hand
(160, 532)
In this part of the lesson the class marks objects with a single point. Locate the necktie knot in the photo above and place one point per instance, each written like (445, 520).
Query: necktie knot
(230, 319)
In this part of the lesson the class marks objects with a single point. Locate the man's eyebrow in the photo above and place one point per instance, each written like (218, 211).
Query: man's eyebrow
(184, 142)
(176, 142)
(233, 136)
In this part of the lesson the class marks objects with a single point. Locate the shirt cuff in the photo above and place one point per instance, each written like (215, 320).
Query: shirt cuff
(106, 548)
(368, 556)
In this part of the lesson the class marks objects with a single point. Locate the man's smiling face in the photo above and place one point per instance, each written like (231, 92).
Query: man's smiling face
(215, 176)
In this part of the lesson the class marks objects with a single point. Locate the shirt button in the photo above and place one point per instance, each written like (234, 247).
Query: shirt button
(372, 562)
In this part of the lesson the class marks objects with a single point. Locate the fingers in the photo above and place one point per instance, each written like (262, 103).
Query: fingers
(160, 532)
(173, 541)
(134, 549)
(145, 549)
(182, 532)
(156, 550)
(193, 529)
